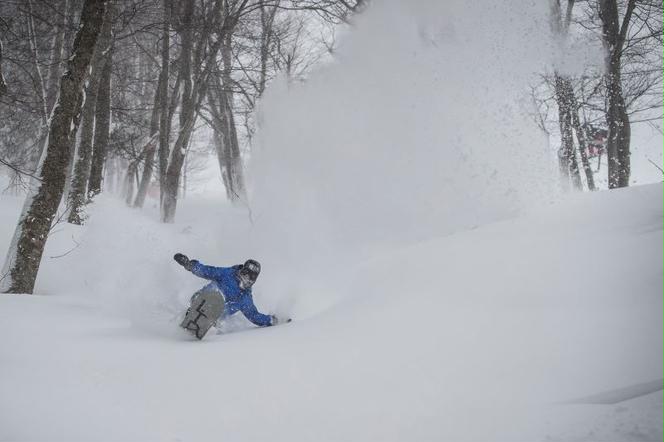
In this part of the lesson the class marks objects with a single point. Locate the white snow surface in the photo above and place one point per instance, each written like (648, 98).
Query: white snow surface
(481, 335)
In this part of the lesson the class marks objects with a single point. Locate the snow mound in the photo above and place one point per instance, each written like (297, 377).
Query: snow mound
(482, 335)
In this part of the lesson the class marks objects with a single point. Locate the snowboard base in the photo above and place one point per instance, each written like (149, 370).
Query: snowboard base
(205, 309)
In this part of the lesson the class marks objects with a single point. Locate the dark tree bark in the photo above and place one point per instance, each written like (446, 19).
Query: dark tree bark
(3, 85)
(175, 167)
(187, 118)
(57, 50)
(32, 230)
(268, 13)
(569, 166)
(581, 137)
(568, 114)
(617, 119)
(567, 155)
(70, 29)
(38, 78)
(78, 194)
(165, 114)
(39, 86)
(102, 126)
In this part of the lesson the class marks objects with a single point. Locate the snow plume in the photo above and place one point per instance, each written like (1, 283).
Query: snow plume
(419, 128)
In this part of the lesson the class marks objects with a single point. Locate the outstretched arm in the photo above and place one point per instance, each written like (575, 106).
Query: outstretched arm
(251, 312)
(198, 269)
(207, 272)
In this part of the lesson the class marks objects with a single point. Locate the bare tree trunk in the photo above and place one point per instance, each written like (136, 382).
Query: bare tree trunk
(229, 130)
(583, 149)
(571, 110)
(132, 176)
(102, 125)
(220, 99)
(568, 151)
(165, 116)
(73, 141)
(83, 156)
(148, 167)
(25, 253)
(175, 169)
(223, 161)
(171, 183)
(78, 192)
(40, 86)
(268, 14)
(57, 51)
(183, 190)
(567, 154)
(160, 121)
(130, 179)
(3, 84)
(226, 141)
(618, 143)
(70, 28)
(617, 119)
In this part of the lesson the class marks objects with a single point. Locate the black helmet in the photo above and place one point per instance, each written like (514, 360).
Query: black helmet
(249, 273)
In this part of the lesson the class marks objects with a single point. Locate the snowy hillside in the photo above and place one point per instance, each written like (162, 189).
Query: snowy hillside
(503, 332)
(403, 196)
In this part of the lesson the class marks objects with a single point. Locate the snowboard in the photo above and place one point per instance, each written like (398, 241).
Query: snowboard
(204, 311)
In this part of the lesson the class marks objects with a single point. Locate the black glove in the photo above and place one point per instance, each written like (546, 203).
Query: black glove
(183, 261)
(276, 320)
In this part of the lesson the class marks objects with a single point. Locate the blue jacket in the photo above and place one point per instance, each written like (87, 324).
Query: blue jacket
(225, 280)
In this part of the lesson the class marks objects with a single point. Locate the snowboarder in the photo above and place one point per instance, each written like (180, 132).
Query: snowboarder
(232, 285)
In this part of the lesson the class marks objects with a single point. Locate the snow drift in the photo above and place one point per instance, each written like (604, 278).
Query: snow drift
(483, 335)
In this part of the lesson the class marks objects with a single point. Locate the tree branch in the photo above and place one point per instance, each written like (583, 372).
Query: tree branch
(625, 25)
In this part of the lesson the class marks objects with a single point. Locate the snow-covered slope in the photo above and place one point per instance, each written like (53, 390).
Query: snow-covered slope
(499, 333)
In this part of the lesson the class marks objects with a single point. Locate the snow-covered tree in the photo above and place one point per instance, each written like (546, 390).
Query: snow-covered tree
(25, 253)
